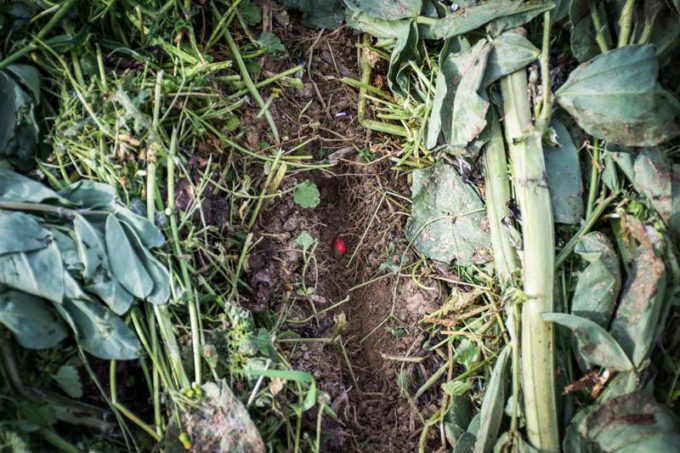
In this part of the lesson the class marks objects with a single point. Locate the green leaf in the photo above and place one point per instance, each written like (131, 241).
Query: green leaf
(18, 188)
(20, 232)
(125, 263)
(318, 13)
(460, 412)
(446, 216)
(510, 52)
(597, 346)
(468, 117)
(271, 43)
(491, 413)
(31, 320)
(306, 195)
(627, 424)
(28, 76)
(472, 17)
(616, 97)
(19, 125)
(564, 177)
(99, 331)
(68, 379)
(90, 194)
(641, 304)
(599, 284)
(652, 177)
(467, 354)
(388, 9)
(159, 274)
(68, 250)
(251, 13)
(456, 388)
(149, 234)
(305, 240)
(40, 272)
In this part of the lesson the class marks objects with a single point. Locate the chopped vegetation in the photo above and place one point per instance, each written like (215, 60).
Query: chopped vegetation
(359, 225)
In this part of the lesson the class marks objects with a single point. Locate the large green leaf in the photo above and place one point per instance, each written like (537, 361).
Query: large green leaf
(90, 194)
(599, 284)
(388, 9)
(99, 331)
(150, 235)
(91, 250)
(20, 232)
(628, 424)
(158, 273)
(564, 177)
(31, 320)
(68, 250)
(126, 265)
(468, 118)
(28, 77)
(642, 302)
(596, 345)
(491, 413)
(405, 50)
(447, 219)
(40, 272)
(472, 17)
(511, 52)
(616, 97)
(18, 188)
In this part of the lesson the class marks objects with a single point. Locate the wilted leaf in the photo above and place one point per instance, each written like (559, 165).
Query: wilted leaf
(599, 284)
(447, 217)
(158, 273)
(306, 195)
(510, 52)
(472, 17)
(319, 13)
(150, 235)
(99, 331)
(388, 9)
(20, 232)
(19, 126)
(564, 177)
(615, 97)
(68, 379)
(628, 424)
(125, 264)
(596, 345)
(90, 194)
(491, 413)
(40, 272)
(68, 250)
(31, 320)
(642, 301)
(652, 177)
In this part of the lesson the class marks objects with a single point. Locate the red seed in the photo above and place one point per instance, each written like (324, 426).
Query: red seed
(339, 247)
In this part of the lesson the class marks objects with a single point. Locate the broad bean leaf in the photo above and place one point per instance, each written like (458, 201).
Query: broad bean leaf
(448, 79)
(510, 52)
(652, 177)
(126, 265)
(532, 10)
(30, 319)
(379, 28)
(599, 284)
(20, 232)
(564, 177)
(68, 250)
(90, 194)
(91, 250)
(596, 345)
(457, 418)
(18, 188)
(472, 17)
(39, 272)
(641, 304)
(158, 273)
(447, 220)
(28, 77)
(150, 235)
(19, 126)
(615, 97)
(318, 13)
(468, 118)
(99, 331)
(627, 424)
(388, 9)
(491, 413)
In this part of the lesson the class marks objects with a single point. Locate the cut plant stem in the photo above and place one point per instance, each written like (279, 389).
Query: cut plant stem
(538, 263)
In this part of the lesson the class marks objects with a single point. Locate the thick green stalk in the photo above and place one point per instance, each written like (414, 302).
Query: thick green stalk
(538, 264)
(497, 197)
(625, 23)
